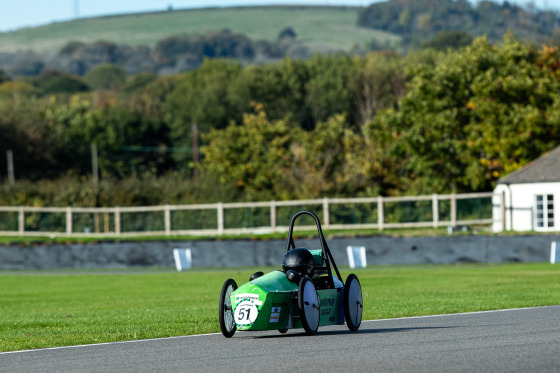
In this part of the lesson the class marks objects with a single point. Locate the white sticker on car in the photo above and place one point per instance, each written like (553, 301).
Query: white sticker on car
(246, 313)
(253, 298)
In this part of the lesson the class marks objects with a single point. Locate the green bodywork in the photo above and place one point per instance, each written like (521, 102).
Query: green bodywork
(270, 303)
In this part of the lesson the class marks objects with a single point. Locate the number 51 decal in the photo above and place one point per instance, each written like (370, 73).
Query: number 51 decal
(245, 313)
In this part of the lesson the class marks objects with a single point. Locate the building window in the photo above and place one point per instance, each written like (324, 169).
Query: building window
(544, 213)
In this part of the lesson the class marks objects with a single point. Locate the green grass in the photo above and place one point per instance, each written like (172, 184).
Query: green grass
(47, 309)
(320, 28)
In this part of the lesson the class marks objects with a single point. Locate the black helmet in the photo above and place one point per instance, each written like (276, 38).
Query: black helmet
(299, 260)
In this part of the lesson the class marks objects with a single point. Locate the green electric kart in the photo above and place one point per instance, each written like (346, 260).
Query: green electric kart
(305, 294)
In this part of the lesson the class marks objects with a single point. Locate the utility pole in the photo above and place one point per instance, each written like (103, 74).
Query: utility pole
(10, 159)
(94, 165)
(194, 129)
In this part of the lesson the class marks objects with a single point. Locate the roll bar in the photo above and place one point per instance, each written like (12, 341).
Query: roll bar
(325, 253)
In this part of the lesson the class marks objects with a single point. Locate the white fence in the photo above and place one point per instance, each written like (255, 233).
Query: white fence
(254, 217)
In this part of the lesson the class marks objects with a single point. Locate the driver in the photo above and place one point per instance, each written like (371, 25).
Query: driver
(299, 261)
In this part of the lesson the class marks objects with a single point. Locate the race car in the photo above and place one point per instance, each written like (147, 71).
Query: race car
(304, 294)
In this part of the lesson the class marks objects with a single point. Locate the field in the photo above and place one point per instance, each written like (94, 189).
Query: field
(320, 28)
(48, 309)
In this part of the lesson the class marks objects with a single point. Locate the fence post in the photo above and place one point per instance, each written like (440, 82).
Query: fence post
(69, 220)
(273, 215)
(21, 220)
(117, 221)
(326, 215)
(167, 219)
(380, 217)
(220, 208)
(453, 210)
(435, 210)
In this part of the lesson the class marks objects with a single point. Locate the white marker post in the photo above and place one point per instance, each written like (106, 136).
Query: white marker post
(356, 257)
(183, 259)
(553, 252)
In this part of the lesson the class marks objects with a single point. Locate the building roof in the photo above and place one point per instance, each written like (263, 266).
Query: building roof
(544, 169)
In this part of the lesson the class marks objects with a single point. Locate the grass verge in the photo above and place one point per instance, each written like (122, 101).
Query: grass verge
(48, 309)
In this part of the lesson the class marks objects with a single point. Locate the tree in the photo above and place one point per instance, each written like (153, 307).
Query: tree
(205, 97)
(106, 77)
(252, 156)
(287, 32)
(138, 82)
(55, 82)
(280, 88)
(11, 88)
(449, 39)
(328, 88)
(377, 82)
(329, 160)
(3, 76)
(479, 113)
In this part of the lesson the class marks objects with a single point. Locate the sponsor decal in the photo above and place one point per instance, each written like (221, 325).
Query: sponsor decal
(275, 314)
(253, 298)
(327, 302)
(325, 311)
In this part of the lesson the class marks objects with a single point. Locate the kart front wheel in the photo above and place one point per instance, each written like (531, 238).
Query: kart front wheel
(308, 305)
(353, 303)
(227, 324)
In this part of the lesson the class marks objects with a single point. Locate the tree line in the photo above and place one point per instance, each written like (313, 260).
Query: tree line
(171, 55)
(420, 20)
(330, 125)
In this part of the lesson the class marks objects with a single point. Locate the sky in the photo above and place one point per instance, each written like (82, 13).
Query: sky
(16, 14)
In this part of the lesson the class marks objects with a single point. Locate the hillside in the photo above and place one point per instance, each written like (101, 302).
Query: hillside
(319, 28)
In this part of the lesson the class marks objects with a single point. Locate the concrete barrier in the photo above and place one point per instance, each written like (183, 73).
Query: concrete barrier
(220, 253)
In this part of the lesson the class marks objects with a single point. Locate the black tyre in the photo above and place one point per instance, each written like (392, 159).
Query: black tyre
(353, 303)
(256, 275)
(282, 331)
(227, 324)
(309, 306)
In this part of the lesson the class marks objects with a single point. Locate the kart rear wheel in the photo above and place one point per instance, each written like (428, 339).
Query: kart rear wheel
(227, 324)
(282, 331)
(353, 303)
(308, 304)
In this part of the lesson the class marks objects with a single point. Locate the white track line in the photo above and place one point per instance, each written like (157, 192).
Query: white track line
(218, 333)
(460, 314)
(110, 343)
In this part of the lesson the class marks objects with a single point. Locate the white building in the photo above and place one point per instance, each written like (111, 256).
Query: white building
(531, 196)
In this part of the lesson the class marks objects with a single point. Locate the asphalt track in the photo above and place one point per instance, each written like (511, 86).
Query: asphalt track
(518, 340)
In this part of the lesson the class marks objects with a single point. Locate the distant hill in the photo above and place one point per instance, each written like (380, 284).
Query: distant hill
(173, 41)
(319, 28)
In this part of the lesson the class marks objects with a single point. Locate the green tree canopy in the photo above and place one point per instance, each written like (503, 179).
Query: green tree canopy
(253, 155)
(55, 82)
(475, 116)
(106, 77)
